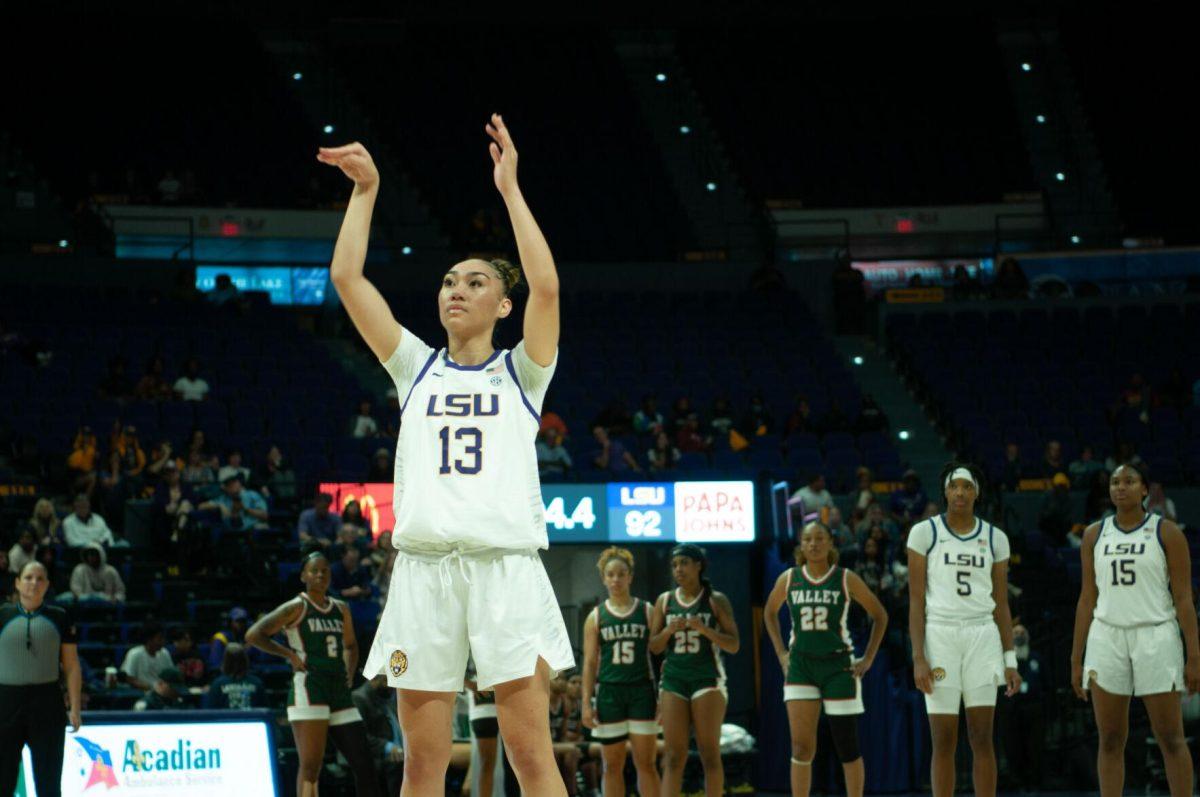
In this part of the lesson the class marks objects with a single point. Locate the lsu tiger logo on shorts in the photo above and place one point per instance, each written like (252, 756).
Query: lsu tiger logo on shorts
(398, 663)
(938, 674)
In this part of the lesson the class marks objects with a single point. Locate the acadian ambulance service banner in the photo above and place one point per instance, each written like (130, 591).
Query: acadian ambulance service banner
(216, 759)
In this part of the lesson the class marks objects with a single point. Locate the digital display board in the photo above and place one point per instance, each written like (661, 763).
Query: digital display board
(882, 274)
(307, 285)
(167, 754)
(702, 512)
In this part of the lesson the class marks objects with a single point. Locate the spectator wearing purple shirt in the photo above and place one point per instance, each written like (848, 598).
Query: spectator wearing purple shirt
(611, 455)
(318, 523)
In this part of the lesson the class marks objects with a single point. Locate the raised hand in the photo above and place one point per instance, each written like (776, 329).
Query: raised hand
(504, 156)
(354, 161)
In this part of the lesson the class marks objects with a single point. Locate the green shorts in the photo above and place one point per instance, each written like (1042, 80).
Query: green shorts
(622, 709)
(690, 687)
(826, 678)
(321, 696)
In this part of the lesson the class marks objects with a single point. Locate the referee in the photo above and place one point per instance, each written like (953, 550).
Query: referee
(37, 642)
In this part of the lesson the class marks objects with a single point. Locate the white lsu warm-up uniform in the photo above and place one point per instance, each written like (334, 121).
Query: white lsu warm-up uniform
(469, 524)
(1133, 645)
(962, 641)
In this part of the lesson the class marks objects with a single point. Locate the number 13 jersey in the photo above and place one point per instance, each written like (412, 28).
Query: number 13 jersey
(958, 569)
(1132, 584)
(466, 469)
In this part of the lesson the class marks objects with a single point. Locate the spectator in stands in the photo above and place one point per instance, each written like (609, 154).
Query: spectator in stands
(198, 473)
(849, 297)
(234, 466)
(875, 516)
(46, 527)
(145, 663)
(662, 456)
(962, 286)
(689, 440)
(168, 188)
(1098, 504)
(648, 420)
(610, 455)
(550, 420)
(1157, 502)
(1055, 514)
(843, 537)
(349, 579)
(224, 293)
(871, 417)
(116, 383)
(173, 503)
(864, 495)
(1174, 391)
(813, 495)
(131, 460)
(187, 658)
(364, 424)
(280, 480)
(801, 421)
(318, 523)
(241, 509)
(169, 693)
(82, 461)
(235, 631)
(553, 459)
(60, 584)
(1052, 460)
(375, 703)
(161, 453)
(1010, 282)
(721, 420)
(236, 688)
(381, 468)
(680, 411)
(1021, 719)
(1135, 399)
(1083, 469)
(352, 536)
(1013, 470)
(1125, 455)
(94, 579)
(198, 442)
(83, 526)
(153, 385)
(352, 515)
(24, 550)
(908, 502)
(757, 420)
(872, 567)
(191, 386)
(835, 419)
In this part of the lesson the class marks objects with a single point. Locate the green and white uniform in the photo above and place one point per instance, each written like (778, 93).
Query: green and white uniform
(692, 664)
(625, 698)
(321, 692)
(820, 652)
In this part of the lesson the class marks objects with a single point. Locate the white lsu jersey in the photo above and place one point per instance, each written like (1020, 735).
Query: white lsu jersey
(466, 471)
(1132, 582)
(958, 569)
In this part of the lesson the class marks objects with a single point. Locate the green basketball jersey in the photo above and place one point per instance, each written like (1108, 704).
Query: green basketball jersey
(624, 644)
(317, 637)
(819, 609)
(688, 653)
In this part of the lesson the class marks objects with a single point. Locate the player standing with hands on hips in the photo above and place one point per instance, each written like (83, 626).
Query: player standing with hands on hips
(1135, 598)
(961, 628)
(469, 515)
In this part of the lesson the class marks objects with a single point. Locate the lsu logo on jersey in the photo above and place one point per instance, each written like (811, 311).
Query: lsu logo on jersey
(463, 405)
(938, 674)
(1124, 548)
(963, 560)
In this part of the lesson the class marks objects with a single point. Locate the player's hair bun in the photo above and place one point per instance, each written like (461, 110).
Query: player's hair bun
(510, 274)
(613, 552)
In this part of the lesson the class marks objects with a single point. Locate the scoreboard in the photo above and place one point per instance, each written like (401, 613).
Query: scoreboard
(625, 512)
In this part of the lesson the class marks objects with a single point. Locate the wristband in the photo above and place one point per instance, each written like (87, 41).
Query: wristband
(1010, 659)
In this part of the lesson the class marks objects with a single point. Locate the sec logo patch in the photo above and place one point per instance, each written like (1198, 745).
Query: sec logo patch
(398, 663)
(938, 674)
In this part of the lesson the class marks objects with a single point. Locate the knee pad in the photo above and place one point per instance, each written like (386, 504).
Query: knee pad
(844, 730)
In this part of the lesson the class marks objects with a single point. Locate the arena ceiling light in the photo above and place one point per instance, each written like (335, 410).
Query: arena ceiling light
(1026, 66)
(1075, 239)
(660, 77)
(406, 250)
(328, 128)
(1041, 120)
(684, 129)
(903, 434)
(297, 76)
(1060, 177)
(711, 186)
